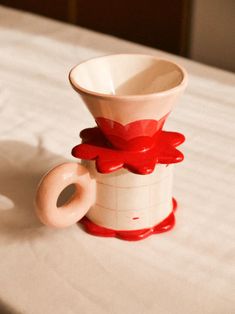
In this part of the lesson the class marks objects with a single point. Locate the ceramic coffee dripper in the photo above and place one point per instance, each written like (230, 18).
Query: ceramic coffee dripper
(130, 97)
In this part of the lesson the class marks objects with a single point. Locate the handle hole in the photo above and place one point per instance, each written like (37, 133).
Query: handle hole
(66, 195)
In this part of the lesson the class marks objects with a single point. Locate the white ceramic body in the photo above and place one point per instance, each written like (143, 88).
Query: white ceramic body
(128, 201)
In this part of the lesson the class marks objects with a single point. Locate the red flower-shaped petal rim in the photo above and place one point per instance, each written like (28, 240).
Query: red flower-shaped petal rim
(131, 235)
(140, 134)
(108, 159)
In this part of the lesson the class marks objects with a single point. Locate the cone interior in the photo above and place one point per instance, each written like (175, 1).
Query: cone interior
(126, 75)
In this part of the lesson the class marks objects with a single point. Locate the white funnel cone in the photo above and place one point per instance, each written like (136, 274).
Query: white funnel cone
(127, 88)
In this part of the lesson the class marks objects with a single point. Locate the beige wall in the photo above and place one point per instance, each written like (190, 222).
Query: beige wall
(213, 33)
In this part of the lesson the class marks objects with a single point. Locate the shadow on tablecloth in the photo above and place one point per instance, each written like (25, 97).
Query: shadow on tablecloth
(7, 309)
(21, 167)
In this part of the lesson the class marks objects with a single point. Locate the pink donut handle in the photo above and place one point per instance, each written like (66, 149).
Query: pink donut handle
(50, 187)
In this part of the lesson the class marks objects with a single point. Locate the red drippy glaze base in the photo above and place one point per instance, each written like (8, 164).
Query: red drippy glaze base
(131, 235)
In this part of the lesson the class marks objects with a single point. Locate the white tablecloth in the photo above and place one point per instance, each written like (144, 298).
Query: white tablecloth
(45, 271)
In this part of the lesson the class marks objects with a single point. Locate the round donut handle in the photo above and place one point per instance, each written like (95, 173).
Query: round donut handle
(51, 186)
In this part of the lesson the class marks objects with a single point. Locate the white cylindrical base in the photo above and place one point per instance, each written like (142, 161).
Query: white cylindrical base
(128, 201)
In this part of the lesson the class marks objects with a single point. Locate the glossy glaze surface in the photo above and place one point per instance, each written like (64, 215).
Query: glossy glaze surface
(132, 235)
(129, 87)
(127, 75)
(126, 187)
(128, 201)
(108, 159)
(135, 135)
(50, 187)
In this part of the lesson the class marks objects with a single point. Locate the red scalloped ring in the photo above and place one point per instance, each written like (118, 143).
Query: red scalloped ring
(131, 235)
